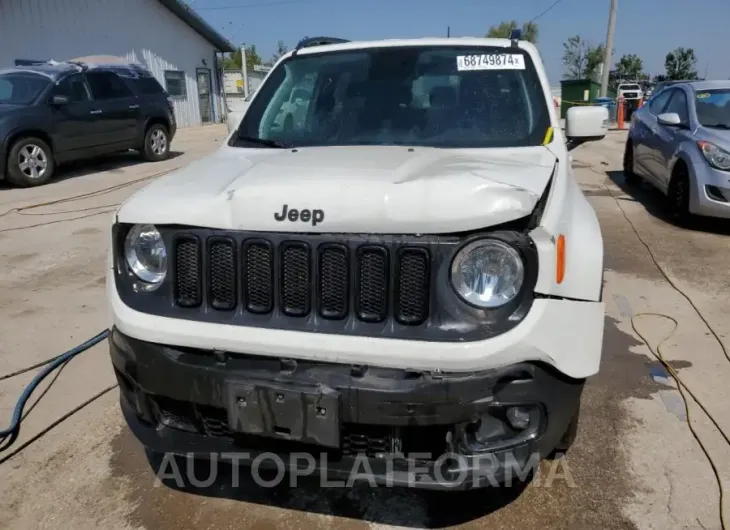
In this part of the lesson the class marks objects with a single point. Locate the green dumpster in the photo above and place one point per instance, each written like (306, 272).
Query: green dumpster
(574, 92)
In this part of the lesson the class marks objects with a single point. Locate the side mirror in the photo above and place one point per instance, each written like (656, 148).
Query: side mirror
(585, 124)
(59, 100)
(670, 119)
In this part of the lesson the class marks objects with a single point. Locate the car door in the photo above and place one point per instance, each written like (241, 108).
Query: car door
(669, 136)
(642, 136)
(76, 124)
(119, 109)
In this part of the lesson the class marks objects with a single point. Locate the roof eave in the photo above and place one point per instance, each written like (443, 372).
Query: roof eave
(200, 26)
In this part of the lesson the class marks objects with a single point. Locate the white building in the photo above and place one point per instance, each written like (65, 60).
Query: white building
(178, 47)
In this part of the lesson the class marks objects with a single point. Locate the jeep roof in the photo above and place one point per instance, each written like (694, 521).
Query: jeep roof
(325, 44)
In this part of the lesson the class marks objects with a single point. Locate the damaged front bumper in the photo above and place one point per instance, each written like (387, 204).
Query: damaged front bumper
(398, 427)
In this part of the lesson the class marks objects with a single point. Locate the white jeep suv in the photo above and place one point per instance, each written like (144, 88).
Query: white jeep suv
(405, 276)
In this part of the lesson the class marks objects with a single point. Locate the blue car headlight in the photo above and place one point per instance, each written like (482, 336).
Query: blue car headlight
(715, 156)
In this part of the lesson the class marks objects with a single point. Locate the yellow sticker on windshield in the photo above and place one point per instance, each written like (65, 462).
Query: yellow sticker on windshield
(703, 95)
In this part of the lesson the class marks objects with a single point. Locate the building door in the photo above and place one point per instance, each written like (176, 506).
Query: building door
(205, 98)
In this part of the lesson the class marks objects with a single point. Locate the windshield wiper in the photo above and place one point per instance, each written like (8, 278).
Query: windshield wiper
(718, 125)
(264, 142)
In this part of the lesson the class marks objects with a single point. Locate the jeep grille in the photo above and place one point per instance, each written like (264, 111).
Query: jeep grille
(296, 278)
(368, 285)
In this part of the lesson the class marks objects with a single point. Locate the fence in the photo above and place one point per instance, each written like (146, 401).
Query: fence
(234, 83)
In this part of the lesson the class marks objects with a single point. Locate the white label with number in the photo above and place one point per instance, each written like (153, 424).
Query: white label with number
(492, 61)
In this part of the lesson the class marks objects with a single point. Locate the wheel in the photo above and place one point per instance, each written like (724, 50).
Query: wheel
(30, 163)
(156, 143)
(678, 193)
(630, 177)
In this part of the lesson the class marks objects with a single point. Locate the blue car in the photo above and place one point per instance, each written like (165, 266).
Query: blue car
(680, 143)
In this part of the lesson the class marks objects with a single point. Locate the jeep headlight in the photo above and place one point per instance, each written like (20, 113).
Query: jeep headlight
(146, 255)
(487, 273)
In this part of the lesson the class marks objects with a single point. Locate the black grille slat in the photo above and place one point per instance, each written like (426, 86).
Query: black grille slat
(222, 266)
(258, 277)
(372, 287)
(348, 281)
(333, 281)
(188, 272)
(412, 291)
(296, 289)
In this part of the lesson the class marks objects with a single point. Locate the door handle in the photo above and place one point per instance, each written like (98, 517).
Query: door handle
(95, 112)
(134, 106)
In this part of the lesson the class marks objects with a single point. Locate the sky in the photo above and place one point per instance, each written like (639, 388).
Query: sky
(648, 28)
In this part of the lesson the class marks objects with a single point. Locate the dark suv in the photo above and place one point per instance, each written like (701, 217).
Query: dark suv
(51, 113)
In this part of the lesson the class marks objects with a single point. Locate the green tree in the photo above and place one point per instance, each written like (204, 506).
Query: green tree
(503, 30)
(630, 67)
(581, 59)
(594, 60)
(681, 64)
(233, 61)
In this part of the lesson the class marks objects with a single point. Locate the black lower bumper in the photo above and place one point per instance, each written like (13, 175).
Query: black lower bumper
(386, 426)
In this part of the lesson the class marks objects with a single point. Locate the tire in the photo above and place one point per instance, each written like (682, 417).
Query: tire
(30, 163)
(630, 177)
(156, 143)
(678, 194)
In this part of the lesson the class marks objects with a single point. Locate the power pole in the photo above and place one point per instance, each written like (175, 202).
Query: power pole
(608, 49)
(244, 70)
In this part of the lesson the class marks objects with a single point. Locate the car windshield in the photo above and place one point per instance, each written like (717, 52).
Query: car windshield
(20, 88)
(448, 97)
(630, 87)
(713, 107)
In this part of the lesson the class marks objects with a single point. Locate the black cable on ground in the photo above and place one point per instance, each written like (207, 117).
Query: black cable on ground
(28, 368)
(16, 228)
(57, 422)
(77, 210)
(89, 194)
(50, 365)
(10, 440)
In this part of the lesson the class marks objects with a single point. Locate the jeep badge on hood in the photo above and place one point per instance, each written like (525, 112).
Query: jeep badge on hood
(305, 216)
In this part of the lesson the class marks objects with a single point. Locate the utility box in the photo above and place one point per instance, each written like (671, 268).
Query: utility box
(580, 92)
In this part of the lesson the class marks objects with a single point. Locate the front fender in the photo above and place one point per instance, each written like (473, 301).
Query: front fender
(23, 125)
(698, 170)
(568, 213)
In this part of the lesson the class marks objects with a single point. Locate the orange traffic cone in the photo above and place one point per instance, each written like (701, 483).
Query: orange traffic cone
(620, 112)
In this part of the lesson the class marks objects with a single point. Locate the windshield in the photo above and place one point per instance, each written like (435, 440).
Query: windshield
(428, 96)
(713, 107)
(629, 87)
(20, 88)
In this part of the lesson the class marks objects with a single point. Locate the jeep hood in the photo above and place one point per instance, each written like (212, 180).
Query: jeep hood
(369, 189)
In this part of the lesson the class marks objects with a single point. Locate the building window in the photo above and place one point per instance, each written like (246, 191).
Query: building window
(175, 83)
